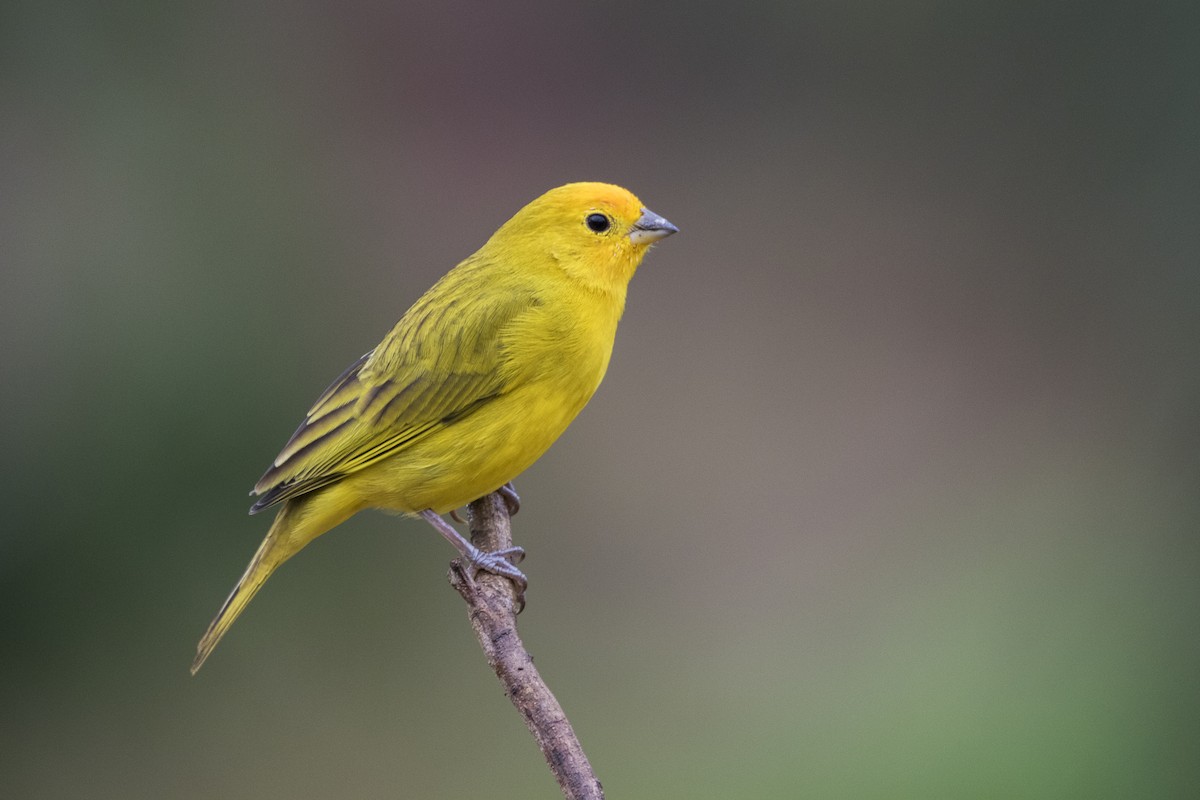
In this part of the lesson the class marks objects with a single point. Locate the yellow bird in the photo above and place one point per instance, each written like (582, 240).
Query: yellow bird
(469, 388)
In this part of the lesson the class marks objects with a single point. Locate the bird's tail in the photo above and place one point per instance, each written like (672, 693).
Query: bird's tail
(276, 548)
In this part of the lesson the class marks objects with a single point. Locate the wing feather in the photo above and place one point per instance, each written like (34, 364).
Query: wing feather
(423, 376)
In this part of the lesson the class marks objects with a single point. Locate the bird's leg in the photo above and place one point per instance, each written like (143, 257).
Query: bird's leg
(511, 498)
(477, 560)
(454, 515)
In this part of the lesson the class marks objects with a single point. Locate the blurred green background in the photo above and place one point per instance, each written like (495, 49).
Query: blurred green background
(893, 488)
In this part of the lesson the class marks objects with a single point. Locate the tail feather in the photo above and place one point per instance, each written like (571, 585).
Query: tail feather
(299, 521)
(276, 548)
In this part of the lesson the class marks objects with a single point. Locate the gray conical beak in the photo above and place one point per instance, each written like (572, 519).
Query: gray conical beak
(650, 227)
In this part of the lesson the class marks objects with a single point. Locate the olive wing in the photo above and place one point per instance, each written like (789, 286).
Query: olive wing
(440, 363)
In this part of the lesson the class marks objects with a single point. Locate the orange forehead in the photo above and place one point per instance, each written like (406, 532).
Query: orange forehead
(596, 195)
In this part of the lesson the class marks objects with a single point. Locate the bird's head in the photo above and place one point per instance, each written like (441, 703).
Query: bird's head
(597, 233)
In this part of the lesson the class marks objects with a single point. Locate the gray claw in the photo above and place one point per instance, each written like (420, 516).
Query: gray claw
(498, 563)
(511, 498)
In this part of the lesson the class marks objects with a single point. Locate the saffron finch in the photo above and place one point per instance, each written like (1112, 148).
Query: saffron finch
(469, 388)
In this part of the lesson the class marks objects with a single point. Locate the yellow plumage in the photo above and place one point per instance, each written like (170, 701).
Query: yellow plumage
(469, 388)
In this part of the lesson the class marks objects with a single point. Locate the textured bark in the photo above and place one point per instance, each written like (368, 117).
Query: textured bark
(491, 608)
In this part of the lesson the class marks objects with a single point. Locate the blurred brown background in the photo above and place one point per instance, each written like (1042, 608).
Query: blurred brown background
(892, 488)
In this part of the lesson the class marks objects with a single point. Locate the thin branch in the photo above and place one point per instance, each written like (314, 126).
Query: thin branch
(490, 603)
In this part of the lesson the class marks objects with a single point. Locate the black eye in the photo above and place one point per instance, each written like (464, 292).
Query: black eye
(598, 223)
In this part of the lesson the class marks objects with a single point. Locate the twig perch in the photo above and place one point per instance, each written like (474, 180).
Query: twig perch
(492, 613)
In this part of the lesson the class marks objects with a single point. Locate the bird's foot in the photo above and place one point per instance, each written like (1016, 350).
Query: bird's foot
(511, 498)
(474, 560)
(499, 562)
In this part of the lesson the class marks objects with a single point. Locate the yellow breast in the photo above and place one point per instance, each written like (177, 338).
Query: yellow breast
(558, 354)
